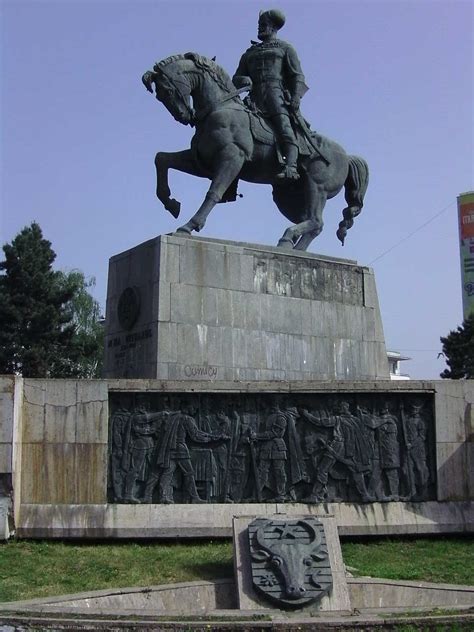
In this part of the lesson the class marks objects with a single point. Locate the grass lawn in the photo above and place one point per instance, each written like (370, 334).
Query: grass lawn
(31, 569)
(443, 560)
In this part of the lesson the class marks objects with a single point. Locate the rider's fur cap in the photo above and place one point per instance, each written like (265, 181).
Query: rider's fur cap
(276, 17)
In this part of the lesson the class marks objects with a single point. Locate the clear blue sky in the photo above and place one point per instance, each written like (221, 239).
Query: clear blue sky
(389, 80)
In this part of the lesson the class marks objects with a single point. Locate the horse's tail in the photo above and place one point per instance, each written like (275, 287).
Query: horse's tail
(355, 188)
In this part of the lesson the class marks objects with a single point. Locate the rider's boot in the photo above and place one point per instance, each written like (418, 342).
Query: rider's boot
(290, 170)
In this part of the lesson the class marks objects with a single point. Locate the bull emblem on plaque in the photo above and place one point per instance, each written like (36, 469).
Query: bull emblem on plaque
(289, 560)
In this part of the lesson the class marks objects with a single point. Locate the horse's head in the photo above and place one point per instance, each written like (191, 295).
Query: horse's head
(180, 78)
(172, 87)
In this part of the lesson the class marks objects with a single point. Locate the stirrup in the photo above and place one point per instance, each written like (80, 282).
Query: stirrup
(289, 172)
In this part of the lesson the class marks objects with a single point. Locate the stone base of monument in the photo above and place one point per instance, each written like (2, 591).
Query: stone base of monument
(187, 308)
(90, 521)
(375, 604)
(64, 429)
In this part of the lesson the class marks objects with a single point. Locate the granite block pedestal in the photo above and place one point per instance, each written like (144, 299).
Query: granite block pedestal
(192, 308)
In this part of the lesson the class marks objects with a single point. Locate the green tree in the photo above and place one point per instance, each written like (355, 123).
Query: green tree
(35, 322)
(45, 328)
(85, 356)
(458, 349)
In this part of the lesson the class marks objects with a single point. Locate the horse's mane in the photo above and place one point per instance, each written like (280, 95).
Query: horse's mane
(169, 60)
(216, 72)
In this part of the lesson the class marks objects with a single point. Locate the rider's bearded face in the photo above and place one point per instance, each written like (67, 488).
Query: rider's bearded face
(265, 29)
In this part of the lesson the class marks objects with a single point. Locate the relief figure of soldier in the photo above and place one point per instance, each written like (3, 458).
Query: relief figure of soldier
(143, 426)
(243, 458)
(384, 449)
(279, 444)
(119, 462)
(415, 437)
(173, 452)
(347, 447)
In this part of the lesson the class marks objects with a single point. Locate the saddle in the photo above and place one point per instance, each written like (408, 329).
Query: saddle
(263, 133)
(260, 129)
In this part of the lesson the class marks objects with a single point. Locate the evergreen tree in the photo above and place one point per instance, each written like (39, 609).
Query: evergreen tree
(458, 348)
(46, 327)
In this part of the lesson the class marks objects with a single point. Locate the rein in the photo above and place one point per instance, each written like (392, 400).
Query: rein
(201, 115)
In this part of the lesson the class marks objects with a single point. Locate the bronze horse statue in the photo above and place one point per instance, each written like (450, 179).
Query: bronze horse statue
(232, 142)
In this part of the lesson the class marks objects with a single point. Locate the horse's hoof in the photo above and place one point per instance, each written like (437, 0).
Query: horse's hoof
(184, 230)
(174, 207)
(287, 244)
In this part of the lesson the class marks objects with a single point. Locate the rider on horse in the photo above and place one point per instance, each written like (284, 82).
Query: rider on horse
(231, 143)
(272, 71)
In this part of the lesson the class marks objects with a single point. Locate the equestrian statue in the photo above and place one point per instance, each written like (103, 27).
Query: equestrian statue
(262, 138)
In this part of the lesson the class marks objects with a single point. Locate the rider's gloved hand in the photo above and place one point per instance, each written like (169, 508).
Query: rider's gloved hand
(295, 103)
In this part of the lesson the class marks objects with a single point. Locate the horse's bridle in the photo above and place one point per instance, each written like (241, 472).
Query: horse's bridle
(172, 82)
(198, 117)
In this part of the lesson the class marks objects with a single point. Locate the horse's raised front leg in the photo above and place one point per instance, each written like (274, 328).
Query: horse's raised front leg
(181, 161)
(228, 164)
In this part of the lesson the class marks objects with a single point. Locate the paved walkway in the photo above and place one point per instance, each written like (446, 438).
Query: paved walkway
(223, 620)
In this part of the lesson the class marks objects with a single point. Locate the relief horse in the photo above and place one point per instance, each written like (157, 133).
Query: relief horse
(232, 142)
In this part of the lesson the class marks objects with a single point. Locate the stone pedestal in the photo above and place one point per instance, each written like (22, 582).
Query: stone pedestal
(63, 429)
(193, 308)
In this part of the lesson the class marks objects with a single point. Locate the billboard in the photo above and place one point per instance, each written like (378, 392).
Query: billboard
(466, 249)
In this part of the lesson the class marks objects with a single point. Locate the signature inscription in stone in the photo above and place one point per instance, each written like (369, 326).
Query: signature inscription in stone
(197, 371)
